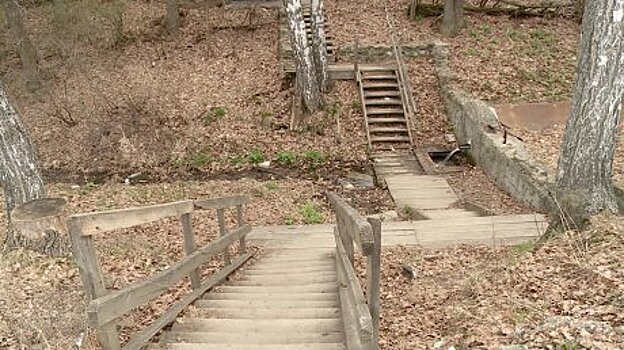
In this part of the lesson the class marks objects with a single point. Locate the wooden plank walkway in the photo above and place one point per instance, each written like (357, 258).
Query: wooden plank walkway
(434, 233)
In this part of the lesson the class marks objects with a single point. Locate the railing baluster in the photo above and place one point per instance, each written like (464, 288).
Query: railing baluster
(223, 232)
(190, 246)
(373, 277)
(239, 223)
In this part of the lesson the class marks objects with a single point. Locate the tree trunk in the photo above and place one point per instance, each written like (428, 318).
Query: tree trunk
(306, 87)
(27, 52)
(172, 20)
(453, 17)
(19, 174)
(584, 184)
(319, 45)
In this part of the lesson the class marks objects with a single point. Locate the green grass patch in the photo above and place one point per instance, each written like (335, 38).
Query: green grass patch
(313, 158)
(311, 214)
(256, 156)
(286, 158)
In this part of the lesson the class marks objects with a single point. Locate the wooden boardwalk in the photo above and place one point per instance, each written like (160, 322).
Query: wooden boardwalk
(434, 233)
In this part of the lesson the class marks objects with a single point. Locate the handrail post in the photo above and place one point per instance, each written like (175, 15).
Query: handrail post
(240, 223)
(373, 275)
(223, 232)
(190, 246)
(93, 281)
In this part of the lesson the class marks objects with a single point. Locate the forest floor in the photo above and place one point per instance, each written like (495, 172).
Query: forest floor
(197, 114)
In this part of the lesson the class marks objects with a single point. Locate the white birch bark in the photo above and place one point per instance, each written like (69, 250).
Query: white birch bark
(319, 45)
(19, 174)
(585, 166)
(307, 84)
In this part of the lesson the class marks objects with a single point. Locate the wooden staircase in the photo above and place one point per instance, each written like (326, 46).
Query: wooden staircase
(383, 105)
(287, 300)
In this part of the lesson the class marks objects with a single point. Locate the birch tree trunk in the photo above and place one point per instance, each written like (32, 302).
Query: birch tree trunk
(19, 174)
(306, 86)
(453, 17)
(27, 52)
(319, 45)
(584, 184)
(172, 18)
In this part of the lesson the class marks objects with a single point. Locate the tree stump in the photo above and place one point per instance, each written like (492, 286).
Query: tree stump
(40, 225)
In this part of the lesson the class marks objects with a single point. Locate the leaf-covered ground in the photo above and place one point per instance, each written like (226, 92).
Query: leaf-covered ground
(565, 294)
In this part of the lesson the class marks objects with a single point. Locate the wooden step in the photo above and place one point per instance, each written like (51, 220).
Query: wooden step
(202, 346)
(259, 325)
(383, 102)
(286, 270)
(379, 76)
(382, 110)
(386, 120)
(382, 93)
(390, 139)
(387, 130)
(330, 287)
(289, 273)
(253, 338)
(366, 69)
(252, 304)
(379, 85)
(291, 280)
(285, 296)
(270, 313)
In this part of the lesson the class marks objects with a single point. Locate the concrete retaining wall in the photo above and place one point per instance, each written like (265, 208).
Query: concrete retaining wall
(509, 165)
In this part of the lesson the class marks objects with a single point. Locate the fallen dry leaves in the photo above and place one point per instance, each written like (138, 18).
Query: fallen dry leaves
(568, 291)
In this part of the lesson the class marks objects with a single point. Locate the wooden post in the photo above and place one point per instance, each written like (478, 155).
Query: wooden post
(347, 240)
(373, 275)
(240, 223)
(190, 246)
(93, 281)
(223, 232)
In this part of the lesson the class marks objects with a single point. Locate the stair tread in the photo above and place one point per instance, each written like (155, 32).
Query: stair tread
(389, 138)
(254, 338)
(280, 295)
(382, 93)
(383, 102)
(283, 304)
(204, 346)
(386, 120)
(374, 84)
(269, 313)
(386, 130)
(384, 110)
(257, 325)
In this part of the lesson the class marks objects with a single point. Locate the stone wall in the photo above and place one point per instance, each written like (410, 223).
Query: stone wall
(509, 165)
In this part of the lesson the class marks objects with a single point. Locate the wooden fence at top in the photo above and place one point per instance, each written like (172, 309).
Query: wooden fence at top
(360, 314)
(105, 307)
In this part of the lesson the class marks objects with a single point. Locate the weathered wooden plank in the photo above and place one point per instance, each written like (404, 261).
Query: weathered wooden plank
(240, 222)
(353, 223)
(223, 231)
(92, 281)
(168, 317)
(221, 202)
(190, 246)
(354, 293)
(107, 308)
(373, 278)
(99, 222)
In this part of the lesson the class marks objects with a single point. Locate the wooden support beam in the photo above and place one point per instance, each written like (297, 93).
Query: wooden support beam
(107, 308)
(221, 202)
(137, 342)
(190, 246)
(223, 232)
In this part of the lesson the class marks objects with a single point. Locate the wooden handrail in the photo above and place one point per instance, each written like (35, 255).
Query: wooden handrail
(106, 307)
(362, 323)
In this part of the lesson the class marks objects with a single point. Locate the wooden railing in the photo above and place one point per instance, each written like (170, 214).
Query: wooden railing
(105, 307)
(360, 314)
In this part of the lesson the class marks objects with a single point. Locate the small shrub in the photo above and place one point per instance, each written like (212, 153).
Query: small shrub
(200, 159)
(313, 158)
(286, 158)
(237, 160)
(311, 214)
(213, 115)
(356, 105)
(256, 156)
(289, 220)
(272, 185)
